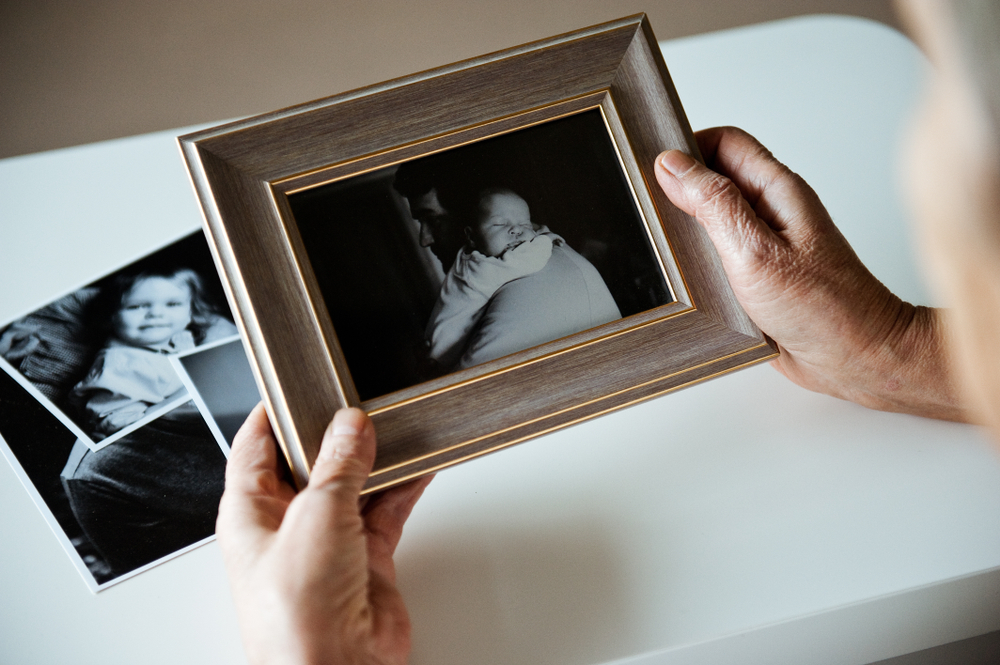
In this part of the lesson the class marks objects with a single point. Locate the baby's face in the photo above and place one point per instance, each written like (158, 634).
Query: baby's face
(504, 222)
(152, 312)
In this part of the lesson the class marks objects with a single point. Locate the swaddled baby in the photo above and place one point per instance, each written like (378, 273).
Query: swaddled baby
(502, 245)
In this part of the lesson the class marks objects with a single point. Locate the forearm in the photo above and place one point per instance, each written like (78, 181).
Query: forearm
(908, 371)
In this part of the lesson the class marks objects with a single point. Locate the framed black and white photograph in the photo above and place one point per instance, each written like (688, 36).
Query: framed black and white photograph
(104, 433)
(474, 255)
(471, 254)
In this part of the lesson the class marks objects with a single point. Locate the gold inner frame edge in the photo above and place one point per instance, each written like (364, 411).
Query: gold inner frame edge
(601, 100)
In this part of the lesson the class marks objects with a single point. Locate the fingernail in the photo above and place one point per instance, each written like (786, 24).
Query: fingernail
(341, 437)
(335, 447)
(341, 428)
(676, 162)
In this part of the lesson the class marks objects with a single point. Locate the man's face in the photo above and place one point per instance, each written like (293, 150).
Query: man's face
(435, 226)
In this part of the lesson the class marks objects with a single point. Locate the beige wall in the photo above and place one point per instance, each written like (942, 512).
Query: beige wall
(76, 72)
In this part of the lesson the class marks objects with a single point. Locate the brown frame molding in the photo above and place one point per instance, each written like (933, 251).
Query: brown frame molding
(243, 173)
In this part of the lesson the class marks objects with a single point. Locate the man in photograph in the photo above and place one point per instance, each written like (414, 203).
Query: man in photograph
(564, 295)
(418, 183)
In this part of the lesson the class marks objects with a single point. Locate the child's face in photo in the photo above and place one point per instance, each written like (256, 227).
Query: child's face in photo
(504, 222)
(154, 310)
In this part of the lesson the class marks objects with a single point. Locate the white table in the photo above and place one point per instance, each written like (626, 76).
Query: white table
(740, 521)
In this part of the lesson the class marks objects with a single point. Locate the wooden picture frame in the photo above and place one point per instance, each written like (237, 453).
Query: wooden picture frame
(250, 177)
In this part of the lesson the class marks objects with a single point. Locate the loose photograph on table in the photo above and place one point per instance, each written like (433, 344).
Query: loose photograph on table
(471, 254)
(98, 357)
(222, 384)
(98, 424)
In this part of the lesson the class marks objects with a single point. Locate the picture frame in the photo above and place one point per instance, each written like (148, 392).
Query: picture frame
(308, 288)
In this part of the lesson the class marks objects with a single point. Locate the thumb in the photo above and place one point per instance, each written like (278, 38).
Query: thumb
(346, 454)
(712, 199)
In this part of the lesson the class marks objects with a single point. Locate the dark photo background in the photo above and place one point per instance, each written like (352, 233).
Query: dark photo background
(376, 280)
(41, 445)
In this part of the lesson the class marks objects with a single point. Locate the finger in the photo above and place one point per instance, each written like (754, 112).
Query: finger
(385, 516)
(716, 202)
(254, 452)
(741, 158)
(391, 628)
(346, 455)
(328, 506)
(772, 189)
(255, 497)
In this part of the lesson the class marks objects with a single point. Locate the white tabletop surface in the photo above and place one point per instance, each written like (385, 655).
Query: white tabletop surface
(743, 520)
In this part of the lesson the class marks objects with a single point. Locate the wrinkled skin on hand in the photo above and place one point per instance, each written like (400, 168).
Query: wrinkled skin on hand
(840, 331)
(312, 573)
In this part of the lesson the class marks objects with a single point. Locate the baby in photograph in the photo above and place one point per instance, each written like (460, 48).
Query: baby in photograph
(502, 245)
(153, 314)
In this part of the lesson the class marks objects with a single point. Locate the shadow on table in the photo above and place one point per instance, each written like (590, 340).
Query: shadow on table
(555, 595)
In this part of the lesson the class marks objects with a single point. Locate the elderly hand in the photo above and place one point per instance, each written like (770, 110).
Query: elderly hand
(840, 330)
(312, 573)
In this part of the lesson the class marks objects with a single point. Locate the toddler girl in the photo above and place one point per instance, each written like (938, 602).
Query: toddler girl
(155, 313)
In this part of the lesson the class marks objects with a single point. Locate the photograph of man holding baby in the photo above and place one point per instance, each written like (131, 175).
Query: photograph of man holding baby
(469, 255)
